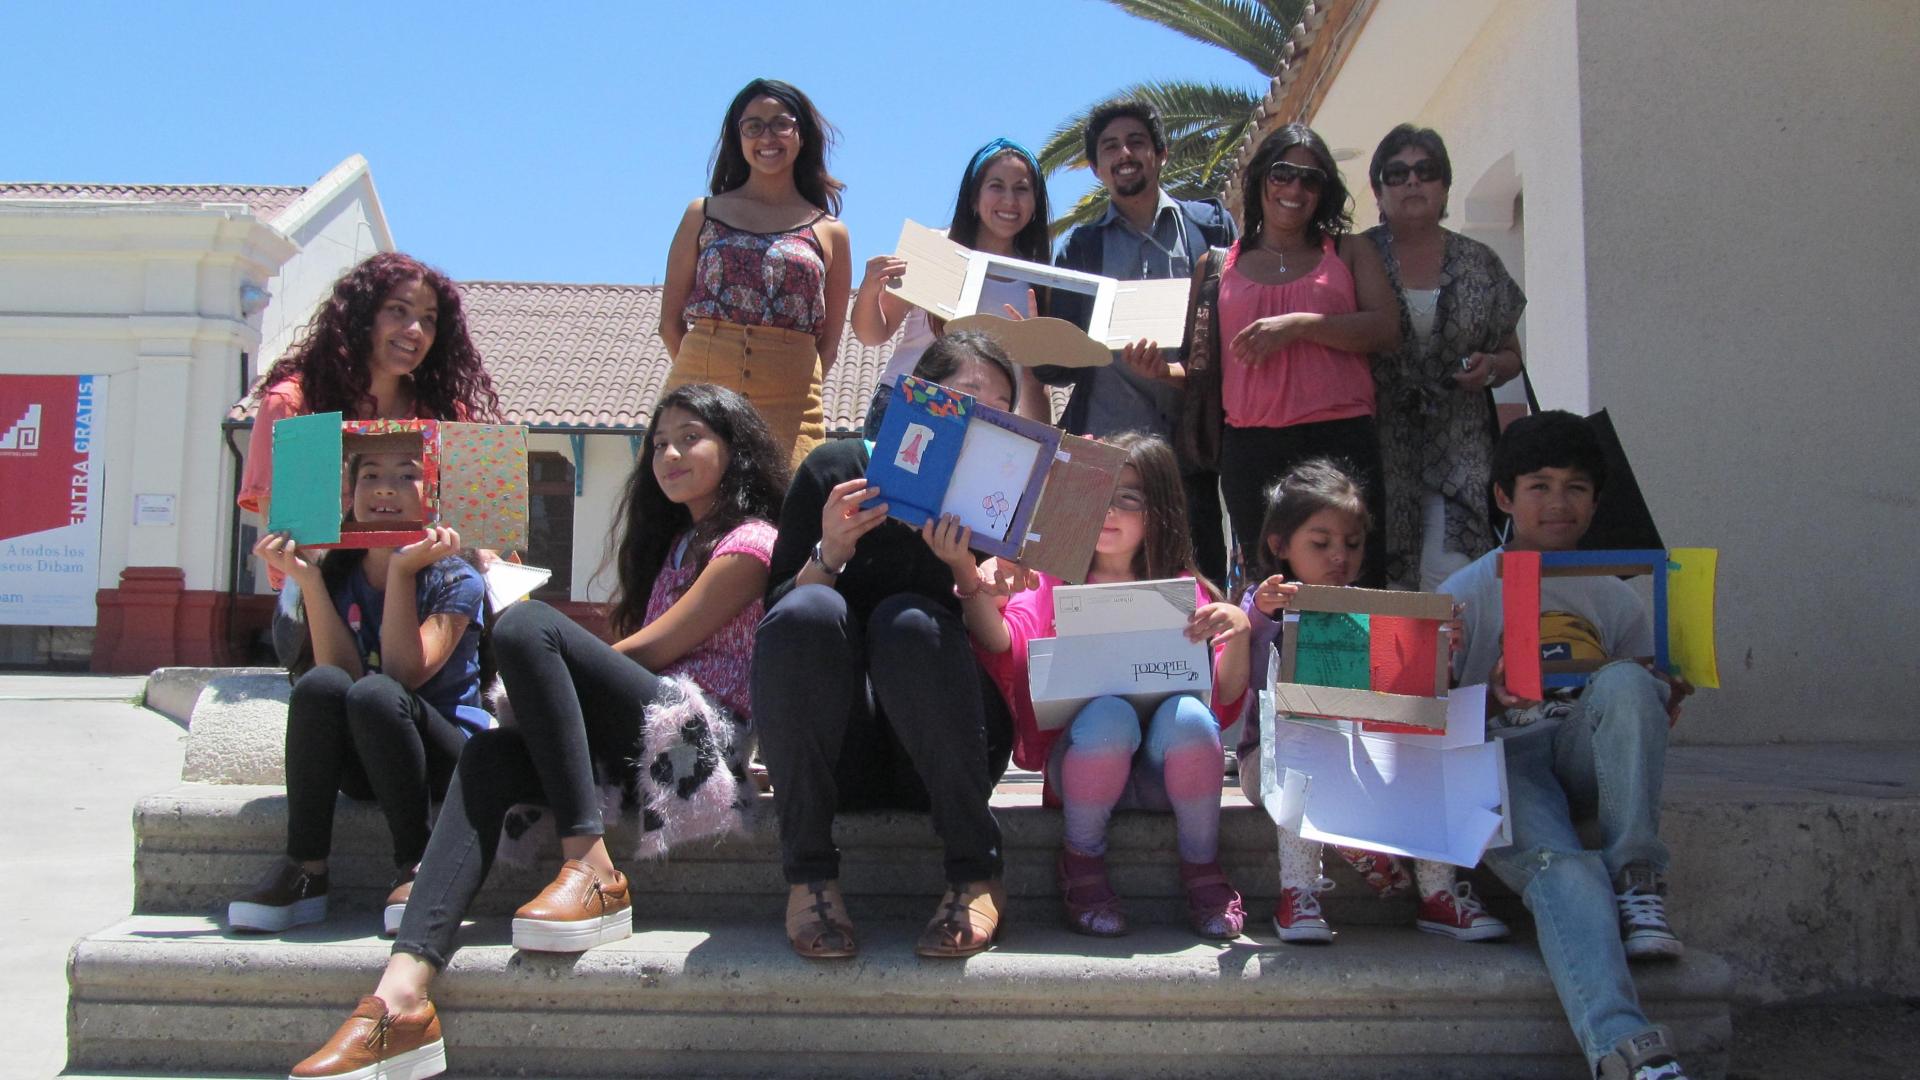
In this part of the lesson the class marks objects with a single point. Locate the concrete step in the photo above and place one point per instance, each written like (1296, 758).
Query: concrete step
(177, 995)
(199, 845)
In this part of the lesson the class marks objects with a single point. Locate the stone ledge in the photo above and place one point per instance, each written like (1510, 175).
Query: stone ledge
(1786, 860)
(174, 691)
(731, 999)
(238, 731)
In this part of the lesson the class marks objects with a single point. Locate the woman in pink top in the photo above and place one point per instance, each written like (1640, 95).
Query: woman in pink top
(1301, 305)
(759, 274)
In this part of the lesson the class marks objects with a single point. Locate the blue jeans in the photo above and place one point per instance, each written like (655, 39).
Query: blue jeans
(1606, 759)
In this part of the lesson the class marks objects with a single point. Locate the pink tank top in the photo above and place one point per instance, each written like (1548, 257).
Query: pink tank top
(760, 279)
(1304, 382)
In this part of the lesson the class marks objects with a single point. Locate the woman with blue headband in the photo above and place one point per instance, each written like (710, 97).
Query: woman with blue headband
(1001, 210)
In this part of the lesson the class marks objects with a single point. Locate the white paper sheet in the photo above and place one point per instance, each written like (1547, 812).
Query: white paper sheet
(989, 478)
(1438, 797)
(509, 583)
(1122, 607)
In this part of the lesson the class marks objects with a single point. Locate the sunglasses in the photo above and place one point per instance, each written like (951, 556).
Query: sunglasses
(1395, 173)
(783, 125)
(1283, 173)
(1132, 500)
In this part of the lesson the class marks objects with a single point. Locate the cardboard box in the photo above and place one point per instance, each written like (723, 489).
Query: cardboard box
(945, 279)
(1124, 639)
(475, 480)
(1028, 491)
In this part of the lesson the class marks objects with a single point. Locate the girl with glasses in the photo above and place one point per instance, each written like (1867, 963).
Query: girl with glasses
(1002, 210)
(1301, 304)
(1457, 311)
(1107, 757)
(759, 272)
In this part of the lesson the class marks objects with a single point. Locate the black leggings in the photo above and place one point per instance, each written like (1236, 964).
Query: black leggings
(1254, 459)
(576, 703)
(892, 714)
(370, 738)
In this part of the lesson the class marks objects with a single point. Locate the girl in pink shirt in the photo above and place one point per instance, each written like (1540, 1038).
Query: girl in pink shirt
(1107, 758)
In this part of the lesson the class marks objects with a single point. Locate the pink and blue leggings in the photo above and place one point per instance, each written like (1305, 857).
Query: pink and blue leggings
(1105, 761)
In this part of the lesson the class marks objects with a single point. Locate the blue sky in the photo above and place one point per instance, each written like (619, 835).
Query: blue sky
(559, 142)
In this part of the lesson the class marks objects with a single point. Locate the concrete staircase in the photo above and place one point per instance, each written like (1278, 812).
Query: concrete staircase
(707, 986)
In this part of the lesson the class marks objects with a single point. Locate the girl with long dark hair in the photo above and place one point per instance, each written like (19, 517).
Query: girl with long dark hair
(1001, 209)
(759, 271)
(1108, 757)
(664, 710)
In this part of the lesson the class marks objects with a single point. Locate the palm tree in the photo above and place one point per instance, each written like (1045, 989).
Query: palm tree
(1204, 122)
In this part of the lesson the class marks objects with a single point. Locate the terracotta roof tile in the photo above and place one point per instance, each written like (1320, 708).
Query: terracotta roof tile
(265, 201)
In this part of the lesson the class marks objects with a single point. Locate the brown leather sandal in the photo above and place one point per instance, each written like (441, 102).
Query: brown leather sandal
(968, 921)
(818, 926)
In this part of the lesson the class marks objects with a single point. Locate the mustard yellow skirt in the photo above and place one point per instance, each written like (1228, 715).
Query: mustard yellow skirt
(777, 370)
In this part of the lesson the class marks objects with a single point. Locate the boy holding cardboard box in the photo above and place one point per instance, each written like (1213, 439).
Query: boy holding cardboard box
(1600, 751)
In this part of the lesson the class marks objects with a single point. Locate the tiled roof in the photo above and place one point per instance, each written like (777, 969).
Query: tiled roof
(265, 201)
(590, 356)
(1312, 51)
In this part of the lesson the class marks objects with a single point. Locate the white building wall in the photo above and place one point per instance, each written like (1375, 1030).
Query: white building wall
(1499, 80)
(609, 464)
(150, 297)
(1748, 177)
(337, 223)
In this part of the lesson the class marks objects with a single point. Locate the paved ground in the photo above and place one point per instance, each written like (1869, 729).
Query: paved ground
(79, 753)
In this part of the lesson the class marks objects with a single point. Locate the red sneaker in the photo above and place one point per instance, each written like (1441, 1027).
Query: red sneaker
(1384, 874)
(1297, 918)
(1457, 913)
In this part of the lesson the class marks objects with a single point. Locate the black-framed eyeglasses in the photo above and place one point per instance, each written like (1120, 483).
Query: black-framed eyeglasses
(1132, 500)
(1283, 173)
(783, 125)
(1395, 173)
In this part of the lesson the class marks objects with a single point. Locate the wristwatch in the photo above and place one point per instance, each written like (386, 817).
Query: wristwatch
(819, 558)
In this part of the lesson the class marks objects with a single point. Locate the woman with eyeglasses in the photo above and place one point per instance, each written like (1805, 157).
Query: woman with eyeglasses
(1002, 210)
(1301, 305)
(1457, 311)
(759, 272)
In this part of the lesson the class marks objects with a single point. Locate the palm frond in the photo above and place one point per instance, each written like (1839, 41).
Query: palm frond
(1253, 30)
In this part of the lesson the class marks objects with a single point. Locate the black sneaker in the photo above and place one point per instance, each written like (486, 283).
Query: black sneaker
(287, 897)
(1646, 1056)
(1641, 895)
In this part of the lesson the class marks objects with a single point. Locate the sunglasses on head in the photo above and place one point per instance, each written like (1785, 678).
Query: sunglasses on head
(782, 125)
(1286, 172)
(1395, 173)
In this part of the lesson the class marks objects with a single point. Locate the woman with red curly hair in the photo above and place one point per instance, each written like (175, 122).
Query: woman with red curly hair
(390, 343)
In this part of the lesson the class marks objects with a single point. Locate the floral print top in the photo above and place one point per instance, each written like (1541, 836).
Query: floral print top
(760, 279)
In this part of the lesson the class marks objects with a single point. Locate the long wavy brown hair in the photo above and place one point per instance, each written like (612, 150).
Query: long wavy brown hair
(1166, 551)
(330, 358)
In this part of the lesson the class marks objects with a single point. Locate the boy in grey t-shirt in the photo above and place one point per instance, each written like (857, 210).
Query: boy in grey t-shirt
(1600, 752)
